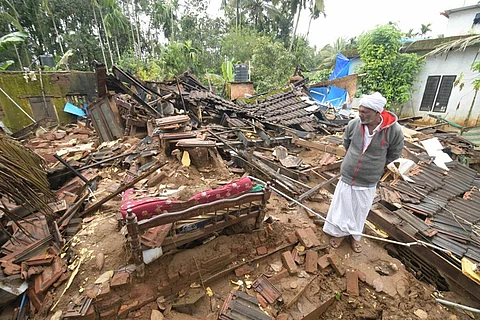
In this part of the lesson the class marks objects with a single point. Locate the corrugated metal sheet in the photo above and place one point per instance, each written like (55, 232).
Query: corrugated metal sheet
(472, 135)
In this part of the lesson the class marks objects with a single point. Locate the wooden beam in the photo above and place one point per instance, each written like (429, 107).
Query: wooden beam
(336, 150)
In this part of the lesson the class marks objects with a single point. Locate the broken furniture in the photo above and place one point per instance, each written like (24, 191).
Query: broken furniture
(203, 214)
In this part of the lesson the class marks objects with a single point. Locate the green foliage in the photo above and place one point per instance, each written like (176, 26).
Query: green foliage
(318, 76)
(4, 65)
(227, 70)
(476, 81)
(387, 71)
(12, 39)
(265, 74)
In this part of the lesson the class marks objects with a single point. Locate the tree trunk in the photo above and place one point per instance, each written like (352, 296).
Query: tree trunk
(295, 29)
(18, 57)
(116, 47)
(132, 26)
(309, 23)
(106, 36)
(99, 36)
(58, 36)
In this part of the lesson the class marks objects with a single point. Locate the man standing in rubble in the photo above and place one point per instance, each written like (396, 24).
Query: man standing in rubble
(372, 141)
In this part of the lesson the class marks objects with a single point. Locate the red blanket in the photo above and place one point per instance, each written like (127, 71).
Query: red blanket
(146, 208)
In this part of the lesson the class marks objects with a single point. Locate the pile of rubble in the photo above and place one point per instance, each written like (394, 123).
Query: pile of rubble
(162, 211)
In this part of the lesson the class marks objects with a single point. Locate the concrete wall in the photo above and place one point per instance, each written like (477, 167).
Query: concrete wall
(56, 85)
(462, 23)
(459, 108)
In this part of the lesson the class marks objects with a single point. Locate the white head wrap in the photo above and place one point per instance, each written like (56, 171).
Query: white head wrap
(373, 101)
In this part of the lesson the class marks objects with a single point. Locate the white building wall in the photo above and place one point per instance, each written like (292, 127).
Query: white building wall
(460, 23)
(460, 100)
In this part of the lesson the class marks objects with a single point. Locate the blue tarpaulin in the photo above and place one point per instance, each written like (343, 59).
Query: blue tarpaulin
(333, 95)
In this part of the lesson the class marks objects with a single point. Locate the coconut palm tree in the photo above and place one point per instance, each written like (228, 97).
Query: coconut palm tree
(328, 54)
(114, 19)
(425, 28)
(46, 6)
(297, 6)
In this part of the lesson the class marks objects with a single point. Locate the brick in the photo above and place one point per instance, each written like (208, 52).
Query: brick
(262, 250)
(289, 263)
(311, 261)
(126, 308)
(335, 263)
(208, 263)
(243, 270)
(292, 238)
(280, 275)
(323, 262)
(352, 283)
(282, 316)
(361, 276)
(120, 279)
(173, 276)
(296, 257)
(308, 238)
(109, 314)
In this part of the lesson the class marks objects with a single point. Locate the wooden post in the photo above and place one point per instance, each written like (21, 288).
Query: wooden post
(135, 246)
(261, 214)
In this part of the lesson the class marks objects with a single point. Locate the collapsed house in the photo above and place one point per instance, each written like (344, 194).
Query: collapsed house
(180, 166)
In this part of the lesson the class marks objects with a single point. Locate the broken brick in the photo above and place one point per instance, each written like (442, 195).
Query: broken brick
(173, 276)
(120, 279)
(323, 262)
(262, 250)
(280, 275)
(289, 262)
(126, 308)
(109, 314)
(352, 283)
(311, 261)
(282, 316)
(361, 276)
(243, 270)
(335, 263)
(308, 238)
(292, 238)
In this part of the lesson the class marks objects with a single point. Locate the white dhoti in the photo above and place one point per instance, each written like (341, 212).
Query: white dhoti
(348, 210)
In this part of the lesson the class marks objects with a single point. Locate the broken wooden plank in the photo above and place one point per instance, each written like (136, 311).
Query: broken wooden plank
(337, 150)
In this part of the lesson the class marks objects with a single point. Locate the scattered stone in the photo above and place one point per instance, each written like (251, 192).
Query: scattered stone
(381, 270)
(161, 303)
(293, 284)
(378, 284)
(156, 315)
(421, 314)
(100, 261)
(393, 266)
(402, 288)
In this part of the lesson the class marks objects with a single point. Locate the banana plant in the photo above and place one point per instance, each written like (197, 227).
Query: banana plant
(8, 40)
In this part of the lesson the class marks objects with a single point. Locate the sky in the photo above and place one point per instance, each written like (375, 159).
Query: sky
(349, 18)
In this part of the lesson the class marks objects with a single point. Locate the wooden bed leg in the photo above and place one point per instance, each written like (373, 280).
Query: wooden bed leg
(135, 246)
(261, 213)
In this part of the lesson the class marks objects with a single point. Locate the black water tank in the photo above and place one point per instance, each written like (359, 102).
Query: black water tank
(240, 73)
(47, 60)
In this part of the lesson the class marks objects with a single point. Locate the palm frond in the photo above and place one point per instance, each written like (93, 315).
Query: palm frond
(23, 177)
(455, 45)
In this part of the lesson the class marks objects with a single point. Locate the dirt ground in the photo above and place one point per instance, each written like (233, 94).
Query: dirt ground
(396, 296)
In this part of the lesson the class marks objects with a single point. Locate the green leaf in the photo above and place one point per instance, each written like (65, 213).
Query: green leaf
(6, 64)
(12, 39)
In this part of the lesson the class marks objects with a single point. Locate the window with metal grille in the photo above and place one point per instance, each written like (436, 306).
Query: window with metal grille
(437, 93)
